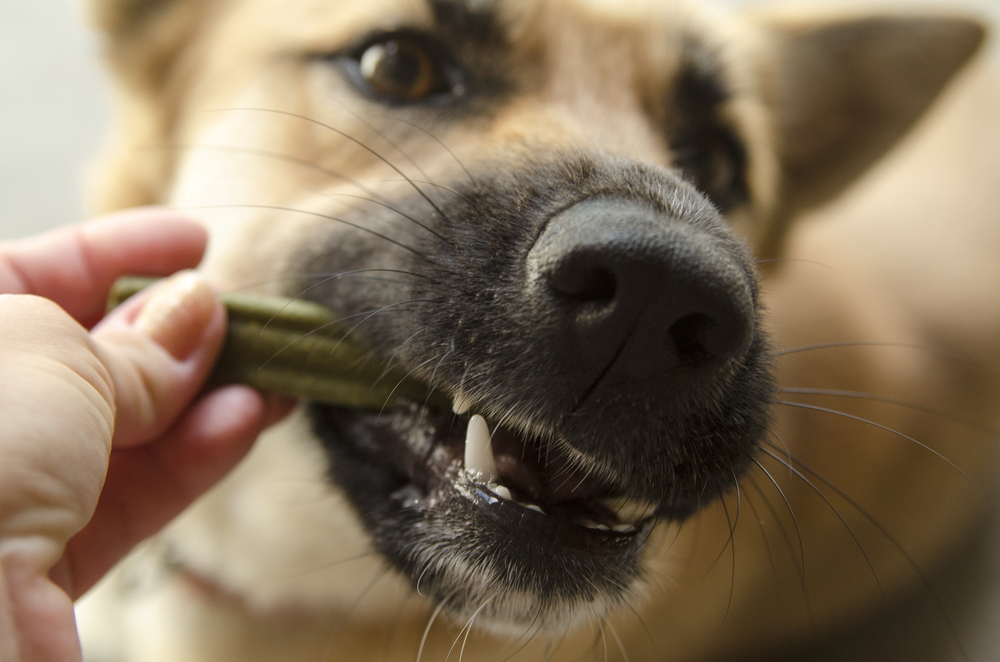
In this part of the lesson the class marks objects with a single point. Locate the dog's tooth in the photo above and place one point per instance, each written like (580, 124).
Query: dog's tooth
(531, 506)
(502, 492)
(479, 460)
(461, 404)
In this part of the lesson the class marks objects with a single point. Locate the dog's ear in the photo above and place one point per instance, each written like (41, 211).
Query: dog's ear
(844, 90)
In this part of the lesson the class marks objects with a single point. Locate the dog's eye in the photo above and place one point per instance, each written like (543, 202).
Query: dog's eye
(403, 68)
(715, 163)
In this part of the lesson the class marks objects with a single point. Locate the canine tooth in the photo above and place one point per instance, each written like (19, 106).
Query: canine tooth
(479, 460)
(502, 492)
(531, 506)
(461, 404)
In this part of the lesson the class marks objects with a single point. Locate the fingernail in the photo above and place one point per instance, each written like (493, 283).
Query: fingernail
(177, 313)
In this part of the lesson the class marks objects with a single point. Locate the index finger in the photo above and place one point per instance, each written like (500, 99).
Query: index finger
(76, 265)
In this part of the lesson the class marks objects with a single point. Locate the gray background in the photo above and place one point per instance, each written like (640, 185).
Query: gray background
(54, 112)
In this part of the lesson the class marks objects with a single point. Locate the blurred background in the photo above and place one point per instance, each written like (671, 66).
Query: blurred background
(54, 112)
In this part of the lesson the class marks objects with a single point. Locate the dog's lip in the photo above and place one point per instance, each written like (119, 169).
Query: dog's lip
(551, 531)
(545, 479)
(580, 513)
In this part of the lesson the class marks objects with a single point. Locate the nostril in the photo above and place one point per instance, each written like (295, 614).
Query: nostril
(584, 282)
(721, 332)
(628, 292)
(688, 336)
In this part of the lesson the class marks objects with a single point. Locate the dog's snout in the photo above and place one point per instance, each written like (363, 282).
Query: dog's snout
(631, 291)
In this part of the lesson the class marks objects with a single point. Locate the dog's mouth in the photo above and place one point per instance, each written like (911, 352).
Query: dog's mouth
(519, 473)
(475, 513)
(530, 488)
(480, 516)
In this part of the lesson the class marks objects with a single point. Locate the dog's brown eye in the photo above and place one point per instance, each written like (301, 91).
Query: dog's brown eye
(715, 164)
(402, 68)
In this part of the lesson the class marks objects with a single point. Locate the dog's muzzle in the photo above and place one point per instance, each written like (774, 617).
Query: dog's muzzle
(608, 372)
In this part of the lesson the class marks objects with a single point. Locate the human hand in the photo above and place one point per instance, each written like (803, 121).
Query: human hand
(104, 436)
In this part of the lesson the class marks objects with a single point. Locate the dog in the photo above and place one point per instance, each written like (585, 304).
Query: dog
(702, 408)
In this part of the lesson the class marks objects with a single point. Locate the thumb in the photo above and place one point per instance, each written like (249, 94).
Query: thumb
(159, 347)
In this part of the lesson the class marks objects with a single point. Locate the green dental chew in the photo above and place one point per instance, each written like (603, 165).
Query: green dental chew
(299, 349)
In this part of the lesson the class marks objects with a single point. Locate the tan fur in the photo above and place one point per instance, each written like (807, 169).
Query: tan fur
(910, 256)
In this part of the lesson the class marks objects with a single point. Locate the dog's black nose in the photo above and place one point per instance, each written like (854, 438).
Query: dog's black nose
(628, 292)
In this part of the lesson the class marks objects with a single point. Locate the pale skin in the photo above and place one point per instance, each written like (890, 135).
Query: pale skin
(106, 434)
